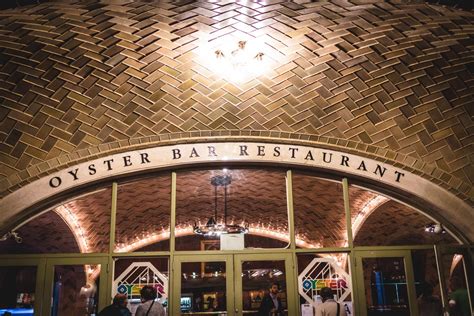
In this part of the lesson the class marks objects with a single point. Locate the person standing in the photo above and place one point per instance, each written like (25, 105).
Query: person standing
(149, 307)
(428, 304)
(458, 298)
(329, 307)
(271, 303)
(118, 307)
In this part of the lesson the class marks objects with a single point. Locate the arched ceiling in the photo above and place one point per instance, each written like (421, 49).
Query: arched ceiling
(48, 233)
(319, 211)
(254, 196)
(89, 218)
(393, 223)
(385, 78)
(464, 4)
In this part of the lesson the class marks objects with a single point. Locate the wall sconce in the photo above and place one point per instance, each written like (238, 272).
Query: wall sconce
(13, 235)
(435, 228)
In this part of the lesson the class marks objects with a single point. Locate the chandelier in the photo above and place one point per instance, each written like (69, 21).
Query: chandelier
(237, 60)
(212, 227)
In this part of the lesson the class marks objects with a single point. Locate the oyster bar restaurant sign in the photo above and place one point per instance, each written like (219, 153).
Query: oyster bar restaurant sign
(205, 153)
(136, 276)
(225, 152)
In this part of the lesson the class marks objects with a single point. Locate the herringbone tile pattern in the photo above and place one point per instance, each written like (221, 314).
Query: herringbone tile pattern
(396, 224)
(89, 217)
(256, 197)
(47, 233)
(143, 207)
(79, 74)
(319, 211)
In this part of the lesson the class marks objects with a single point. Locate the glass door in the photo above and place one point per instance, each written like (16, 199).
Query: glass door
(385, 283)
(250, 284)
(264, 285)
(131, 274)
(75, 286)
(21, 283)
(203, 285)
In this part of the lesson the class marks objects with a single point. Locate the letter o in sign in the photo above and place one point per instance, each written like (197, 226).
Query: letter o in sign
(122, 289)
(307, 284)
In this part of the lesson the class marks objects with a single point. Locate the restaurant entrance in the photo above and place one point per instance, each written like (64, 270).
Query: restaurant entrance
(303, 231)
(232, 284)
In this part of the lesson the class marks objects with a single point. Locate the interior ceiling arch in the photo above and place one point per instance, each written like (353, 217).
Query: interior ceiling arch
(86, 75)
(395, 224)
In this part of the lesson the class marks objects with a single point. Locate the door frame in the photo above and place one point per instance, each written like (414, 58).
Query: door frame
(409, 273)
(175, 308)
(290, 273)
(40, 264)
(233, 282)
(49, 279)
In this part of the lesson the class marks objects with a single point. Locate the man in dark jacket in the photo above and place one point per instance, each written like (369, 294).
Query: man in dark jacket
(118, 307)
(271, 303)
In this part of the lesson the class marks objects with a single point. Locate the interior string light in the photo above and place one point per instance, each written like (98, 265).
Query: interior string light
(76, 228)
(150, 238)
(365, 212)
(258, 230)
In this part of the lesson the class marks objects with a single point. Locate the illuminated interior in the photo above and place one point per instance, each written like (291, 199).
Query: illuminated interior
(365, 205)
(371, 82)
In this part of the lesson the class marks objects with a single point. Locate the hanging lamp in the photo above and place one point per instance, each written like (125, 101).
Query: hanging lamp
(212, 227)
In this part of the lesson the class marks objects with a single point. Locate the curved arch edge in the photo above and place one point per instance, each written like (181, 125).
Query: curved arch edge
(99, 169)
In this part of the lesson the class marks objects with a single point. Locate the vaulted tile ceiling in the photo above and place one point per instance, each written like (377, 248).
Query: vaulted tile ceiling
(81, 76)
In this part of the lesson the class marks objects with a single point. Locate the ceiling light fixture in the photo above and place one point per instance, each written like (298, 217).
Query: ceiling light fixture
(235, 60)
(212, 227)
